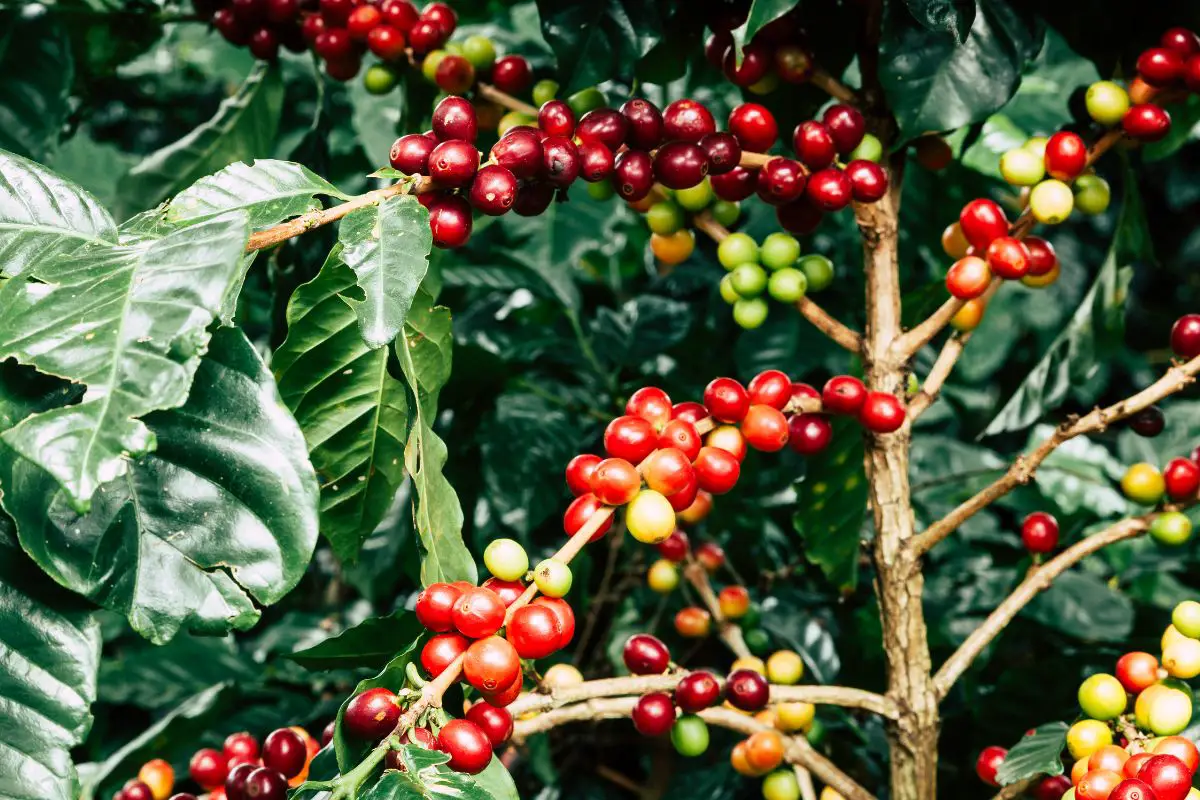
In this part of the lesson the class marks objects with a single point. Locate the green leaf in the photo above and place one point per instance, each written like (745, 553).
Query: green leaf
(48, 660)
(426, 777)
(42, 215)
(598, 41)
(762, 13)
(242, 129)
(35, 95)
(785, 619)
(1185, 127)
(1081, 476)
(387, 246)
(352, 411)
(944, 16)
(221, 518)
(934, 83)
(370, 644)
(831, 506)
(640, 329)
(163, 676)
(1036, 754)
(1082, 606)
(376, 120)
(128, 322)
(268, 191)
(390, 677)
(1094, 332)
(424, 353)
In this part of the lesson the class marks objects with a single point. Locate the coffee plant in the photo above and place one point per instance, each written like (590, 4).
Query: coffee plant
(556, 399)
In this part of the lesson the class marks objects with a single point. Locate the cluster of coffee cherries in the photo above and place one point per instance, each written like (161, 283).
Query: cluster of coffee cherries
(777, 51)
(1177, 483)
(241, 770)
(775, 266)
(1056, 174)
(1127, 746)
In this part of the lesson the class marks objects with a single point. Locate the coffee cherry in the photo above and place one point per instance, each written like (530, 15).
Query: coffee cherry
(372, 714)
(511, 74)
(954, 243)
(1169, 777)
(208, 768)
(757, 59)
(604, 125)
(630, 438)
(728, 438)
(441, 651)
(780, 181)
(693, 623)
(454, 74)
(747, 690)
(881, 413)
(843, 394)
(663, 576)
(644, 124)
(1066, 156)
(615, 481)
(506, 559)
(809, 434)
(265, 783)
(135, 789)
(633, 175)
(1039, 532)
(1143, 483)
(735, 185)
(1107, 102)
(765, 428)
(697, 691)
(491, 663)
(560, 161)
(1137, 671)
(734, 602)
(1092, 194)
(1185, 336)
(1148, 422)
(1160, 66)
(285, 752)
(582, 510)
(1042, 259)
(654, 714)
(664, 218)
(450, 219)
(478, 612)
(469, 748)
(1181, 479)
(814, 145)
(726, 399)
(748, 280)
(507, 591)
(596, 161)
(846, 125)
(754, 126)
(868, 181)
(1180, 747)
(241, 746)
(650, 517)
(739, 248)
(1051, 202)
(681, 435)
(1181, 40)
(711, 556)
(555, 118)
(771, 387)
(534, 632)
(566, 617)
(793, 63)
(494, 190)
(579, 473)
(520, 152)
(1146, 122)
(988, 762)
(968, 278)
(830, 189)
(982, 221)
(645, 655)
(669, 470)
(1022, 167)
(687, 120)
(410, 154)
(674, 547)
(680, 165)
(689, 736)
(1008, 258)
(235, 782)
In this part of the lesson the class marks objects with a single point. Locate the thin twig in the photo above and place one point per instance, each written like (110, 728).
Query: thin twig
(494, 95)
(1022, 470)
(937, 376)
(1017, 789)
(833, 87)
(730, 632)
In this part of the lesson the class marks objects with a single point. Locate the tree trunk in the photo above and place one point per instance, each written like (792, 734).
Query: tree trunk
(913, 737)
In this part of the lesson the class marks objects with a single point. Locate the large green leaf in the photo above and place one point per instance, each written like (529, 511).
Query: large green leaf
(426, 777)
(49, 654)
(352, 412)
(242, 129)
(267, 190)
(370, 644)
(762, 13)
(220, 519)
(1038, 753)
(387, 246)
(1083, 606)
(1093, 332)
(163, 676)
(831, 505)
(424, 353)
(598, 41)
(35, 94)
(954, 17)
(392, 677)
(934, 83)
(43, 215)
(640, 329)
(130, 323)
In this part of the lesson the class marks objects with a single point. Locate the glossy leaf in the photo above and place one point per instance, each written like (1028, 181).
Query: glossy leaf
(268, 191)
(424, 353)
(1036, 754)
(352, 411)
(220, 519)
(164, 676)
(598, 41)
(1081, 476)
(831, 506)
(762, 13)
(48, 661)
(426, 777)
(944, 16)
(1081, 605)
(390, 677)
(43, 215)
(639, 329)
(1093, 332)
(387, 246)
(128, 322)
(35, 95)
(242, 129)
(370, 644)
(784, 618)
(934, 83)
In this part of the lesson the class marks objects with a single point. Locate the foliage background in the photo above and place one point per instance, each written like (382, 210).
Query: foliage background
(557, 319)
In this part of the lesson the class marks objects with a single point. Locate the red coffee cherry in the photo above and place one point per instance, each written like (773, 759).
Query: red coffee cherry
(726, 400)
(442, 16)
(615, 481)
(771, 388)
(680, 165)
(968, 278)
(235, 782)
(1066, 156)
(560, 161)
(1146, 122)
(454, 74)
(333, 44)
(669, 471)
(830, 190)
(534, 632)
(633, 175)
(497, 723)
(264, 44)
(491, 663)
(690, 411)
(453, 163)
(566, 617)
(645, 121)
(1160, 66)
(654, 714)
(520, 152)
(400, 14)
(809, 434)
(630, 438)
(1042, 258)
(604, 125)
(265, 783)
(1137, 671)
(241, 746)
(372, 714)
(596, 161)
(386, 42)
(716, 47)
(846, 125)
(747, 690)
(312, 27)
(645, 655)
(425, 36)
(435, 606)
(450, 220)
(697, 691)
(988, 762)
(1039, 532)
(800, 217)
(881, 413)
(688, 121)
(757, 59)
(717, 471)
(579, 473)
(478, 612)
(469, 748)
(766, 428)
(722, 151)
(507, 591)
(982, 221)
(1008, 258)
(868, 181)
(1053, 788)
(1185, 336)
(1168, 777)
(1182, 479)
(674, 547)
(651, 404)
(843, 394)
(555, 118)
(441, 651)
(814, 144)
(781, 181)
(454, 118)
(506, 696)
(208, 768)
(754, 126)
(711, 556)
(1181, 40)
(494, 190)
(511, 74)
(580, 511)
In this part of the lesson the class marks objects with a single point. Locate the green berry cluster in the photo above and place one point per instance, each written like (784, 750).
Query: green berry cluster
(775, 267)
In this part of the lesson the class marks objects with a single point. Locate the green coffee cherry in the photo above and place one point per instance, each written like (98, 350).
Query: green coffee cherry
(514, 118)
(1092, 194)
(728, 293)
(725, 212)
(1171, 528)
(664, 217)
(736, 249)
(750, 313)
(506, 559)
(1186, 618)
(818, 270)
(758, 640)
(601, 190)
(586, 100)
(689, 735)
(379, 79)
(695, 198)
(454, 47)
(1022, 167)
(869, 149)
(430, 64)
(749, 280)
(1107, 102)
(779, 250)
(544, 91)
(480, 51)
(787, 285)
(553, 577)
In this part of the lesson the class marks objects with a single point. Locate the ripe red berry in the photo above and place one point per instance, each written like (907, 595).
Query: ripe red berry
(843, 394)
(868, 181)
(680, 165)
(765, 428)
(697, 691)
(645, 655)
(334, 44)
(494, 190)
(343, 68)
(809, 434)
(881, 413)
(1182, 479)
(336, 11)
(265, 783)
(361, 20)
(1181, 40)
(800, 217)
(1146, 122)
(478, 612)
(441, 651)
(312, 27)
(1137, 671)
(372, 714)
(454, 118)
(633, 175)
(1066, 156)
(1168, 777)
(1042, 258)
(560, 160)
(735, 185)
(442, 16)
(596, 161)
(555, 118)
(1160, 66)
(687, 120)
(747, 690)
(726, 400)
(654, 714)
(830, 190)
(282, 11)
(1008, 258)
(566, 617)
(425, 36)
(386, 42)
(669, 470)
(716, 47)
(507, 591)
(497, 723)
(630, 438)
(604, 125)
(793, 63)
(1053, 788)
(988, 762)
(435, 606)
(645, 121)
(846, 125)
(534, 632)
(754, 126)
(723, 152)
(982, 221)
(579, 473)
(520, 152)
(757, 59)
(235, 782)
(651, 404)
(771, 388)
(453, 163)
(781, 181)
(711, 556)
(681, 435)
(511, 74)
(241, 746)
(582, 509)
(1185, 336)
(1039, 532)
(136, 790)
(968, 278)
(450, 220)
(400, 14)
(264, 44)
(469, 748)
(208, 768)
(615, 481)
(716, 470)
(491, 663)
(814, 144)
(674, 547)
(690, 411)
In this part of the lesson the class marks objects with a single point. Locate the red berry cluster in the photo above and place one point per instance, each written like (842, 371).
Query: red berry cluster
(981, 242)
(1174, 64)
(777, 50)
